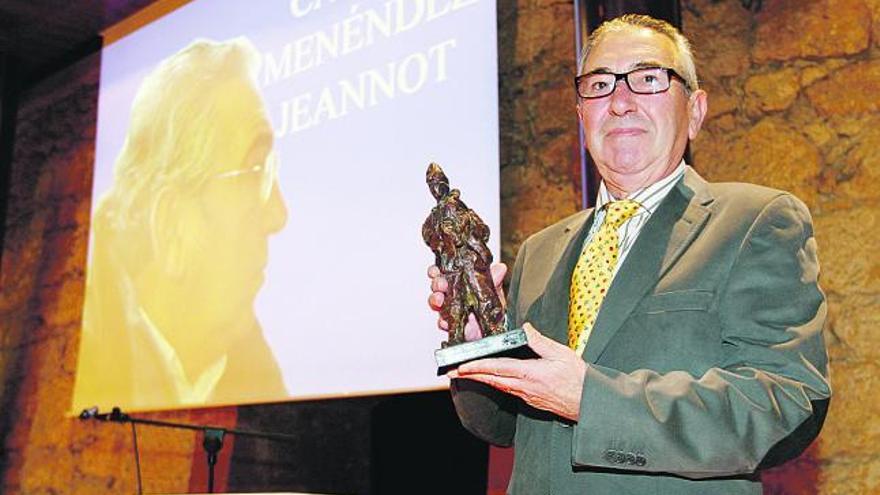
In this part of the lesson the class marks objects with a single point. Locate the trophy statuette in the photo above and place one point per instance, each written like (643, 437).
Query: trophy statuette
(458, 237)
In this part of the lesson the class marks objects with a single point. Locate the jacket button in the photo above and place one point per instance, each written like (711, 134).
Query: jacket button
(630, 458)
(641, 460)
(610, 456)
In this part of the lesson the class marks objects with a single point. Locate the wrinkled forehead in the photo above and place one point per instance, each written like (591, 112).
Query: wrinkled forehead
(625, 49)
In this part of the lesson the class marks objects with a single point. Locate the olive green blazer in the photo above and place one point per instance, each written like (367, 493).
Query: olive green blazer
(706, 363)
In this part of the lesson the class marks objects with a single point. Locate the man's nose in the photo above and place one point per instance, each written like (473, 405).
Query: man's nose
(623, 100)
(275, 211)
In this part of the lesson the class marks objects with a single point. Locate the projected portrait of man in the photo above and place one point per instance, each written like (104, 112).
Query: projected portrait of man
(180, 242)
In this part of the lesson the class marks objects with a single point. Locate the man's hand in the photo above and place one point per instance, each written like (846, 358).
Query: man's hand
(553, 382)
(439, 286)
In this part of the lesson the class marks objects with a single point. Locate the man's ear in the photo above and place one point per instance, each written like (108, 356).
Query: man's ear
(697, 107)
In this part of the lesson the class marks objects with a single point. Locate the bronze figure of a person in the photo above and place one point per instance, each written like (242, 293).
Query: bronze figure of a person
(458, 236)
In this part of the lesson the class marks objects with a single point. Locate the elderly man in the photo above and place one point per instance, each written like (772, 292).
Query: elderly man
(180, 241)
(678, 323)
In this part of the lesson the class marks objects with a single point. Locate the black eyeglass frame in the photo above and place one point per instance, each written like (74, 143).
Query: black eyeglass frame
(671, 73)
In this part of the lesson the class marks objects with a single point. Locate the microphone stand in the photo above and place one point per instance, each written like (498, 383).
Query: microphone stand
(212, 440)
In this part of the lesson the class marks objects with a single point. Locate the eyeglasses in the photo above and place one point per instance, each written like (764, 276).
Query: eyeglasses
(268, 174)
(641, 81)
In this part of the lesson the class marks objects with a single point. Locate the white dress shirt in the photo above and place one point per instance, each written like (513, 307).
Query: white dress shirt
(649, 199)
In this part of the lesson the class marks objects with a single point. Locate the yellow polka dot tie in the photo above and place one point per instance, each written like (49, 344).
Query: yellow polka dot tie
(592, 274)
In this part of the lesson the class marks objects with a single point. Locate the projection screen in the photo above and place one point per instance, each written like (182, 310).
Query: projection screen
(259, 192)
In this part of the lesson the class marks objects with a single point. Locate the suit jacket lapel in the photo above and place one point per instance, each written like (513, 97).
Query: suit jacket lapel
(554, 305)
(667, 234)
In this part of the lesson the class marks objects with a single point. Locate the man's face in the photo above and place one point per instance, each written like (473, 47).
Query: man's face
(236, 210)
(636, 139)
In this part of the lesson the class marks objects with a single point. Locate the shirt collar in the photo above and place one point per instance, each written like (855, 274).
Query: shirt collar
(188, 392)
(648, 197)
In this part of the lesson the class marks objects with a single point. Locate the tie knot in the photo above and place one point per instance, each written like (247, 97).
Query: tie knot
(618, 212)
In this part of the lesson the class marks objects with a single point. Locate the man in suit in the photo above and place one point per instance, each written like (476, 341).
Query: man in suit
(704, 360)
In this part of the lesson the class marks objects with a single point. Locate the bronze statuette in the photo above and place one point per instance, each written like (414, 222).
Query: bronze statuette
(458, 237)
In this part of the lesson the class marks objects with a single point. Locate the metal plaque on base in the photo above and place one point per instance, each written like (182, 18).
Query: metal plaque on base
(512, 343)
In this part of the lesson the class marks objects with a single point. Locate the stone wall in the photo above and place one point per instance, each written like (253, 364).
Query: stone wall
(793, 104)
(540, 158)
(794, 94)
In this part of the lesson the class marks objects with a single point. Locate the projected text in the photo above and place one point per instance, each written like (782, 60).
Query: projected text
(367, 88)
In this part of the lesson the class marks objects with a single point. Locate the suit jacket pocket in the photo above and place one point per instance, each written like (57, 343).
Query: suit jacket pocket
(668, 331)
(679, 300)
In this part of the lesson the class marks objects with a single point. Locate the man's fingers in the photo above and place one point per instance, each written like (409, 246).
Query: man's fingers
(442, 324)
(435, 300)
(506, 374)
(503, 383)
(433, 271)
(472, 329)
(544, 346)
(498, 270)
(439, 284)
(509, 367)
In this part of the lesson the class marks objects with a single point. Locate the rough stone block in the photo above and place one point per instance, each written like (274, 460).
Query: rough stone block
(73, 175)
(20, 261)
(543, 202)
(862, 160)
(71, 211)
(719, 33)
(855, 324)
(541, 30)
(859, 474)
(856, 385)
(771, 91)
(62, 304)
(721, 100)
(874, 6)
(771, 153)
(849, 90)
(819, 133)
(555, 110)
(812, 73)
(561, 158)
(104, 456)
(789, 29)
(849, 241)
(69, 244)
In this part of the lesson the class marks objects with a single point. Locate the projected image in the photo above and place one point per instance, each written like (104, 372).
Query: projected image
(259, 191)
(180, 241)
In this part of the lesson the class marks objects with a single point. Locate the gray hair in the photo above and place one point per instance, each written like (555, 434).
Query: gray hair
(172, 142)
(684, 56)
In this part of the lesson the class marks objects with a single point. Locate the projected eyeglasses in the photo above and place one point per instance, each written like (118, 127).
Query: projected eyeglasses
(268, 171)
